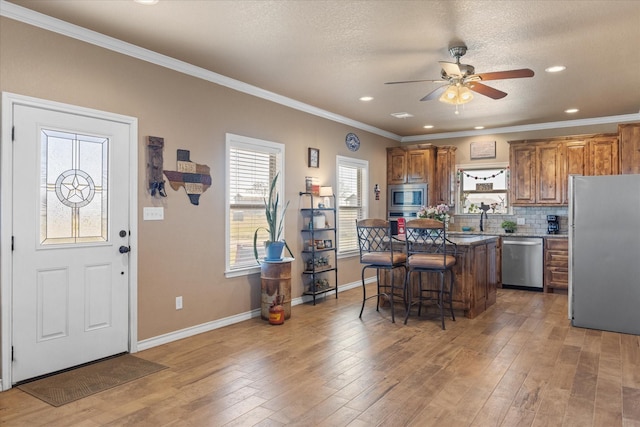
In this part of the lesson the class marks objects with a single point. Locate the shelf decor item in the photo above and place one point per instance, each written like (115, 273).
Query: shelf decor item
(275, 225)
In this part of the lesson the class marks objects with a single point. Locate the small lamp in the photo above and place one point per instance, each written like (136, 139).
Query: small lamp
(327, 193)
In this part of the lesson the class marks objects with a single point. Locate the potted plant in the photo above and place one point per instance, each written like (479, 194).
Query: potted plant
(509, 226)
(275, 224)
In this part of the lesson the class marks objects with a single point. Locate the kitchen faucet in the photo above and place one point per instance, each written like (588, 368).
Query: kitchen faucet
(483, 212)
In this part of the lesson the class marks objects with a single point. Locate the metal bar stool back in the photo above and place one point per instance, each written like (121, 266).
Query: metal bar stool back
(428, 250)
(377, 251)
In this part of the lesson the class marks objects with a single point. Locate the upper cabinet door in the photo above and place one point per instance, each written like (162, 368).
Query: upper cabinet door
(549, 174)
(396, 166)
(603, 153)
(522, 159)
(629, 151)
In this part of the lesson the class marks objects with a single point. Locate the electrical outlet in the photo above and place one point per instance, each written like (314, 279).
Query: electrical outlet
(153, 213)
(520, 221)
(178, 303)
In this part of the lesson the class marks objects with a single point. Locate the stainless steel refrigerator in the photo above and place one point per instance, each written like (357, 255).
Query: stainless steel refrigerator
(604, 252)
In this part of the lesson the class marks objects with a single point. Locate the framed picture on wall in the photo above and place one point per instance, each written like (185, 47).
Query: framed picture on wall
(483, 150)
(314, 157)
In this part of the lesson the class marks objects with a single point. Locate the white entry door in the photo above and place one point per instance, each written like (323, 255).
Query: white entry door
(70, 260)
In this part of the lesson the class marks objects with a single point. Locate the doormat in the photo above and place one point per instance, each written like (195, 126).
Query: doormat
(60, 389)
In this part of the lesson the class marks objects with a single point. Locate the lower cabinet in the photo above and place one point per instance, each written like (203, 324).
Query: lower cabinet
(556, 264)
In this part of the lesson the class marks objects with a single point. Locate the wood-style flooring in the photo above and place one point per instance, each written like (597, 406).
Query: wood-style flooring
(518, 364)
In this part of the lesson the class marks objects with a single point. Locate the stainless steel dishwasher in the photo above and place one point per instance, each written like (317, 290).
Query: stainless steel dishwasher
(522, 262)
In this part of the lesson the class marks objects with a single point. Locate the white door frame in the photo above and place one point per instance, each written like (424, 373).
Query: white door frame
(9, 100)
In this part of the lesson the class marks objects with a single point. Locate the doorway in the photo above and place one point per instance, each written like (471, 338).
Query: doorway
(68, 236)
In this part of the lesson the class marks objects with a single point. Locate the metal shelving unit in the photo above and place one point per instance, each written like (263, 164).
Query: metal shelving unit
(319, 254)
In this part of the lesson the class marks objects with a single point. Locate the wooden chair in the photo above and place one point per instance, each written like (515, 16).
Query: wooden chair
(428, 250)
(377, 251)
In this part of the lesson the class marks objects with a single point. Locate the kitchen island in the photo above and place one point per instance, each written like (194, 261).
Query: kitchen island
(477, 273)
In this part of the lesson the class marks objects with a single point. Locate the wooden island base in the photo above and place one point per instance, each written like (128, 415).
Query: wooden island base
(478, 273)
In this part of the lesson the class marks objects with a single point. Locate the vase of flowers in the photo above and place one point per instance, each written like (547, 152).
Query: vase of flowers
(439, 212)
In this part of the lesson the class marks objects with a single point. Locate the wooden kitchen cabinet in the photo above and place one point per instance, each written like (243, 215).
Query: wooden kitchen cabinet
(536, 174)
(556, 264)
(420, 166)
(540, 168)
(410, 165)
(629, 150)
(522, 161)
(549, 174)
(396, 166)
(603, 156)
(445, 185)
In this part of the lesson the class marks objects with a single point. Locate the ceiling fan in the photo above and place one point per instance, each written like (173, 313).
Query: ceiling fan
(461, 80)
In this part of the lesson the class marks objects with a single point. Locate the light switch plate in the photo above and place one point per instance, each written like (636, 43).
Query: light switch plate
(153, 213)
(520, 221)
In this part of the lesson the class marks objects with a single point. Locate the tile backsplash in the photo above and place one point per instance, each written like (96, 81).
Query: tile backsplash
(535, 220)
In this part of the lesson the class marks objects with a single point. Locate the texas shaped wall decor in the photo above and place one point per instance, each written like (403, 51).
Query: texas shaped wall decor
(195, 178)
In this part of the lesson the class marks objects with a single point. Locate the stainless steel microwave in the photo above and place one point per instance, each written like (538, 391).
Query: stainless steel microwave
(406, 197)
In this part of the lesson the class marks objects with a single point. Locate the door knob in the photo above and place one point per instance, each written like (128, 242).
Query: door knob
(124, 249)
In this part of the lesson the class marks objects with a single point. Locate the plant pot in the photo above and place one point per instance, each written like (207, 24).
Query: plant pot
(274, 251)
(509, 231)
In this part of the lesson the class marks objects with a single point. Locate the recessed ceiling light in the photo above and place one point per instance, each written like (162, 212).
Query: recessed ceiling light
(479, 127)
(428, 126)
(366, 98)
(571, 110)
(402, 115)
(147, 2)
(555, 69)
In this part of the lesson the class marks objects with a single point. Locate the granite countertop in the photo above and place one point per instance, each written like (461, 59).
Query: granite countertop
(503, 234)
(470, 239)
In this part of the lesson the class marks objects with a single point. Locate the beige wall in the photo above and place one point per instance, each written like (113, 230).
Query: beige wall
(184, 254)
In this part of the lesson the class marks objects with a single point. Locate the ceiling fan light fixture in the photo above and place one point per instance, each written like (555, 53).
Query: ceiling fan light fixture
(456, 95)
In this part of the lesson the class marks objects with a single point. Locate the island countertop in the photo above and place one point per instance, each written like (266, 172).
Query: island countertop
(470, 239)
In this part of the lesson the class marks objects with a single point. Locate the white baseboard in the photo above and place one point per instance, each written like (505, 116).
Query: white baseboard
(210, 326)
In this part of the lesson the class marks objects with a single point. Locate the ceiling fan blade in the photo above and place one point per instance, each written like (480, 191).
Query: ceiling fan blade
(511, 74)
(434, 94)
(451, 68)
(486, 90)
(414, 81)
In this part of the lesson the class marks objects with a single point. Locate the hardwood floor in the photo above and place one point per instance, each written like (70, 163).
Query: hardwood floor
(518, 364)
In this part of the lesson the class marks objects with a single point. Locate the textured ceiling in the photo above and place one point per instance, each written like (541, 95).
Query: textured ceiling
(330, 53)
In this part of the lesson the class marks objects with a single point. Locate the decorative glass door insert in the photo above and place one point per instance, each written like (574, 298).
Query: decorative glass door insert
(73, 188)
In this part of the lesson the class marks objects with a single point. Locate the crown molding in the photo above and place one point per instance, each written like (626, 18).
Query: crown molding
(19, 13)
(525, 128)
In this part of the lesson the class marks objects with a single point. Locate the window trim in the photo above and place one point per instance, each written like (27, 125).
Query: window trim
(360, 163)
(479, 166)
(233, 141)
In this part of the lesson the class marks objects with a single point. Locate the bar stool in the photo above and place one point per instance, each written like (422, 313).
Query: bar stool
(428, 250)
(377, 251)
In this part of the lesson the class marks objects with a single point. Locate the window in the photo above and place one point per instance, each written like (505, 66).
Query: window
(251, 166)
(352, 200)
(488, 185)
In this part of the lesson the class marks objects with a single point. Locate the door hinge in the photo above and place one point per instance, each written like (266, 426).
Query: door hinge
(12, 359)
(13, 133)
(11, 243)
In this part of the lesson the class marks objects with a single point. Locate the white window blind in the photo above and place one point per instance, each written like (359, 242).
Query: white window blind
(352, 200)
(251, 166)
